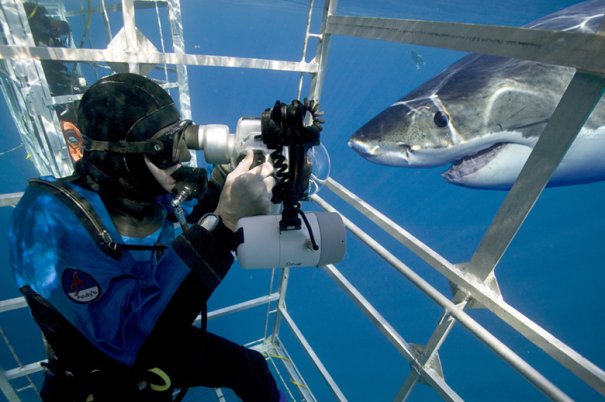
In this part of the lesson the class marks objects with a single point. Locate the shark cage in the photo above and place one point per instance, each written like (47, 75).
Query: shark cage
(44, 71)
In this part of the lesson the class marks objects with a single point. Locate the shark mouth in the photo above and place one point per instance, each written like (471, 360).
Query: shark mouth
(472, 164)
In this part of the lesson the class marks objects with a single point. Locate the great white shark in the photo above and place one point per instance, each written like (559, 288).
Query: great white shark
(484, 114)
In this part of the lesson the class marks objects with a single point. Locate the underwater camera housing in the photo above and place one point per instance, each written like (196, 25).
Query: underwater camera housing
(287, 135)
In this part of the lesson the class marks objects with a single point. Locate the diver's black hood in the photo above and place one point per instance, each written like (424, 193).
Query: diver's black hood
(122, 107)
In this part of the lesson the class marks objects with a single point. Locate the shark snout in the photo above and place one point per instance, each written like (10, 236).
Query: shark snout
(380, 153)
(364, 148)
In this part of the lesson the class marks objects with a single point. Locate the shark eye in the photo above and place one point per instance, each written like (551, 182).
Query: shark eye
(441, 119)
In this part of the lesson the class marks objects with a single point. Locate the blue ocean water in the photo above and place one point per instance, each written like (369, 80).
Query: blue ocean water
(552, 271)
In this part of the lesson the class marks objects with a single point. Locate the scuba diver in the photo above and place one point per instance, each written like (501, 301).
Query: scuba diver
(52, 32)
(61, 77)
(112, 281)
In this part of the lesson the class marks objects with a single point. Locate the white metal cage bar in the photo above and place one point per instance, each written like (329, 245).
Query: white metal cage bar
(478, 331)
(476, 283)
(559, 351)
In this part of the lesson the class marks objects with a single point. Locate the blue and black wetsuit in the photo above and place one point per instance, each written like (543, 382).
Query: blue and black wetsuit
(111, 318)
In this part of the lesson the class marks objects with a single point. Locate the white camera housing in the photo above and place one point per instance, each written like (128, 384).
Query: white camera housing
(266, 246)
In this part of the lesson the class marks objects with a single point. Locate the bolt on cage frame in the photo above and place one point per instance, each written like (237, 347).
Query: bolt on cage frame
(474, 283)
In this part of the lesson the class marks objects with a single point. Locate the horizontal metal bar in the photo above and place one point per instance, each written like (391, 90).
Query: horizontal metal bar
(565, 355)
(479, 331)
(430, 376)
(305, 344)
(114, 56)
(26, 370)
(235, 308)
(19, 302)
(10, 199)
(12, 304)
(139, 4)
(574, 49)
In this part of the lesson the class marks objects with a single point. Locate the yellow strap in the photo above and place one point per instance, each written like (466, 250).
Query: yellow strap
(272, 356)
(162, 374)
(298, 384)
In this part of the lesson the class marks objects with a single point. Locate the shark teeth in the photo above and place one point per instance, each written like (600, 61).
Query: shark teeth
(472, 163)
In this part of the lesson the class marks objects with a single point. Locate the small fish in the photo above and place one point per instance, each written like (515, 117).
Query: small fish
(418, 59)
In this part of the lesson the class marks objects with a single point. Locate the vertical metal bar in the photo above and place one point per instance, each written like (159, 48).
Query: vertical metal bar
(281, 304)
(296, 377)
(305, 47)
(106, 21)
(321, 58)
(305, 344)
(182, 76)
(178, 43)
(7, 389)
(163, 46)
(130, 31)
(578, 101)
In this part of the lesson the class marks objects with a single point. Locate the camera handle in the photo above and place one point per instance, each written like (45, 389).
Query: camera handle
(296, 126)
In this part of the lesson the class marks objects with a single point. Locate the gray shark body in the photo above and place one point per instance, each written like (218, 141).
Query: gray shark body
(484, 114)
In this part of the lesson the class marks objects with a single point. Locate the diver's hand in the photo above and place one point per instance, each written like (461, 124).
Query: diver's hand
(247, 192)
(220, 172)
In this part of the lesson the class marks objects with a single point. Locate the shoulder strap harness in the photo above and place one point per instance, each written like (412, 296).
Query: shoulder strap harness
(89, 218)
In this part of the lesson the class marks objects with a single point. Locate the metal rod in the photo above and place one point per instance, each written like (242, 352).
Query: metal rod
(305, 344)
(431, 377)
(10, 200)
(574, 49)
(576, 105)
(305, 47)
(485, 336)
(281, 304)
(6, 388)
(246, 305)
(130, 31)
(280, 351)
(430, 351)
(321, 57)
(565, 355)
(111, 56)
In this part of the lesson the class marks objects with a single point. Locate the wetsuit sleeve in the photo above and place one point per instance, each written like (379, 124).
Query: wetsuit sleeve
(207, 204)
(205, 254)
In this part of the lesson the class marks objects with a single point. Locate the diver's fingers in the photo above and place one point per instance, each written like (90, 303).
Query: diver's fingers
(263, 170)
(244, 165)
(269, 183)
